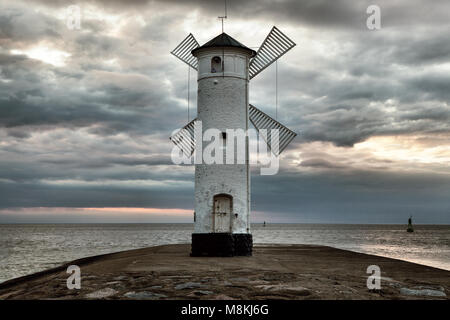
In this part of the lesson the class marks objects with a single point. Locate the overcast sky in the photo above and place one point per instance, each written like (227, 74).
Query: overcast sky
(85, 115)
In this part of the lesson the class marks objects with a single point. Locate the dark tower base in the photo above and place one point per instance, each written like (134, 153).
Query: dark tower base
(221, 244)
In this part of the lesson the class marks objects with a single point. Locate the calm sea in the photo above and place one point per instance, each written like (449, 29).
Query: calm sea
(25, 249)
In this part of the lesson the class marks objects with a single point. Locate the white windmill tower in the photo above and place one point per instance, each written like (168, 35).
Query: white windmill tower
(222, 191)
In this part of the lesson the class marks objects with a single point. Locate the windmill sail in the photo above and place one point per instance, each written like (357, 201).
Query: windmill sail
(274, 46)
(264, 124)
(183, 51)
(184, 138)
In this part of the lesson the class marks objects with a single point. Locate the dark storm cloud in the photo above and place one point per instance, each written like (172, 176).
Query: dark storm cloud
(118, 102)
(105, 162)
(319, 163)
(438, 114)
(351, 97)
(336, 197)
(318, 13)
(430, 47)
(90, 45)
(89, 170)
(86, 92)
(434, 86)
(18, 133)
(39, 195)
(359, 197)
(20, 26)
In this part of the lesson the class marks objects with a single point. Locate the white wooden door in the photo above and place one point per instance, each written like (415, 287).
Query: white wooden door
(222, 214)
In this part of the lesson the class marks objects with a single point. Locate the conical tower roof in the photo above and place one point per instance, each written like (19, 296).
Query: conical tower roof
(224, 41)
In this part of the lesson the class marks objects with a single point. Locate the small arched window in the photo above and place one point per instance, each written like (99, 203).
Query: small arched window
(216, 64)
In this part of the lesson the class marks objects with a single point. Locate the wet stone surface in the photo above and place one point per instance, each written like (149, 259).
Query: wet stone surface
(143, 295)
(188, 285)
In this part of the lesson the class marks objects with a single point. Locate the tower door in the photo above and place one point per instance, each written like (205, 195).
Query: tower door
(222, 213)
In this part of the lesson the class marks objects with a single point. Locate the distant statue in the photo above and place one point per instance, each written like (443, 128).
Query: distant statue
(410, 227)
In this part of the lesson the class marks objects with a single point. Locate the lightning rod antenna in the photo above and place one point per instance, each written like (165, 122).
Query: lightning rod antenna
(188, 92)
(224, 16)
(276, 90)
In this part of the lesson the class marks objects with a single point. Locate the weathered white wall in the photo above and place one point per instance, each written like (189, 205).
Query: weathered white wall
(222, 104)
(235, 63)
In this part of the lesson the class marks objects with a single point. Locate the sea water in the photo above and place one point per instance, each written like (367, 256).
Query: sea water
(28, 248)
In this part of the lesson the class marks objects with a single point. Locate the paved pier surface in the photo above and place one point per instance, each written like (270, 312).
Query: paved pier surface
(273, 272)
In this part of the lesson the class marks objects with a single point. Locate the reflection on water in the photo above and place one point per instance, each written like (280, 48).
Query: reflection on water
(26, 249)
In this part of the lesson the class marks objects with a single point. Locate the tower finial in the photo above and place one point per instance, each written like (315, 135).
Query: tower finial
(224, 16)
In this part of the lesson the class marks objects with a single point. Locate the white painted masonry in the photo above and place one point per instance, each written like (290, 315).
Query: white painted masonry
(223, 104)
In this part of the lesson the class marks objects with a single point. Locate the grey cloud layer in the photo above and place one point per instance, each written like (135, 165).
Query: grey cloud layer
(106, 114)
